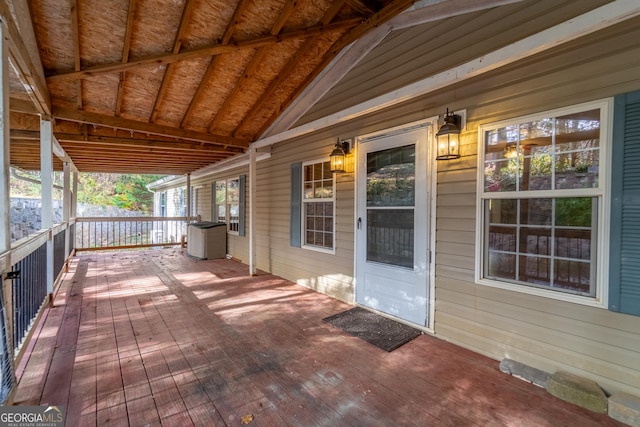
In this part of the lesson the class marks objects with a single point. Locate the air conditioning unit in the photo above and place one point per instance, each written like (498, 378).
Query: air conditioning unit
(207, 240)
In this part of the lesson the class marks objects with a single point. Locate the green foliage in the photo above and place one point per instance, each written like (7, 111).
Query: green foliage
(574, 212)
(101, 189)
(124, 191)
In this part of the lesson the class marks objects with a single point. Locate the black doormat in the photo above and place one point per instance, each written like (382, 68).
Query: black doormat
(378, 330)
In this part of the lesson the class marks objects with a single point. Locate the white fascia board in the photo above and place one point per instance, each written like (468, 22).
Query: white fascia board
(161, 182)
(587, 23)
(222, 166)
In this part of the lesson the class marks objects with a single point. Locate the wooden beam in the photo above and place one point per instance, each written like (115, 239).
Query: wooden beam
(80, 153)
(75, 35)
(213, 64)
(187, 148)
(125, 56)
(144, 127)
(28, 73)
(251, 68)
(177, 45)
(211, 50)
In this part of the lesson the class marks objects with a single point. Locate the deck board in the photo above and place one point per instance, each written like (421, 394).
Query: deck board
(157, 338)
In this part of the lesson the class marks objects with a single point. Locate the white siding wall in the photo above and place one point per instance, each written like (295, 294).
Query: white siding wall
(548, 334)
(327, 273)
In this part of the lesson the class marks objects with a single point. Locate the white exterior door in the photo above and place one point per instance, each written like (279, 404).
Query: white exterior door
(392, 224)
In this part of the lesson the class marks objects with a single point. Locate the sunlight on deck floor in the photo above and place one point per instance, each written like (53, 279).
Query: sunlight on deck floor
(154, 337)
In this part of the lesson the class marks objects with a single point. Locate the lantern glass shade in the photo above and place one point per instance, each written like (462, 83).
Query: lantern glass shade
(337, 159)
(449, 138)
(448, 147)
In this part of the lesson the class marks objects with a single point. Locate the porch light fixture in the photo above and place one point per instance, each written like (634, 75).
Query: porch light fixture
(338, 156)
(449, 137)
(511, 151)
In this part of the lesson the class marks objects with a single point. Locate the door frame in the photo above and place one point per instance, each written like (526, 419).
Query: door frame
(430, 125)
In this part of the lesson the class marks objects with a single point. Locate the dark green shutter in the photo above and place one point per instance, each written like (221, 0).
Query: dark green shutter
(296, 204)
(214, 208)
(242, 204)
(624, 270)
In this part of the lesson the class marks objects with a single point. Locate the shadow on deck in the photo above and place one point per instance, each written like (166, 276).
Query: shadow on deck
(154, 337)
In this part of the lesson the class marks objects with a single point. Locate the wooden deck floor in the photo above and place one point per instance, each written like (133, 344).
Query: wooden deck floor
(154, 337)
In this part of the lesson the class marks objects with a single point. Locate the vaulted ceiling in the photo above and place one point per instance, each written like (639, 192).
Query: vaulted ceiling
(167, 86)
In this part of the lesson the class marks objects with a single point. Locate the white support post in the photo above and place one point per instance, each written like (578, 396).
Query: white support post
(6, 287)
(66, 205)
(74, 195)
(46, 177)
(188, 198)
(252, 211)
(66, 190)
(5, 200)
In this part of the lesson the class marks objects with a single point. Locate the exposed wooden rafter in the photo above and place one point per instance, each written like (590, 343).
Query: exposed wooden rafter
(31, 74)
(211, 50)
(289, 67)
(75, 35)
(177, 45)
(213, 64)
(149, 128)
(125, 55)
(251, 69)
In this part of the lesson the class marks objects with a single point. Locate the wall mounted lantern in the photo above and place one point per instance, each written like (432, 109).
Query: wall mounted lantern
(338, 156)
(449, 137)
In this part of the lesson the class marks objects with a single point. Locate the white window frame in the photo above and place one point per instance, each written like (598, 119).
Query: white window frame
(601, 192)
(227, 208)
(303, 220)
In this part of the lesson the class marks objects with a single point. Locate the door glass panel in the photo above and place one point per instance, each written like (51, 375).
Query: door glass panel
(391, 184)
(391, 177)
(390, 236)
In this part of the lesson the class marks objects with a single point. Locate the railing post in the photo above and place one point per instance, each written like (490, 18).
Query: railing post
(46, 177)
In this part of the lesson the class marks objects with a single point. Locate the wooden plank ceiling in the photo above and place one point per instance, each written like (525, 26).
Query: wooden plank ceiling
(170, 86)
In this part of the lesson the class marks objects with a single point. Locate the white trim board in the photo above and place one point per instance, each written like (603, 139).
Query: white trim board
(587, 23)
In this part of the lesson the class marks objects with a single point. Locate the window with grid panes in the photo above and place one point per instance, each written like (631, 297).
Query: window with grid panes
(228, 203)
(541, 202)
(318, 206)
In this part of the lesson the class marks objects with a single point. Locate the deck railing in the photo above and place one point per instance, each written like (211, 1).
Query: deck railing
(29, 291)
(95, 233)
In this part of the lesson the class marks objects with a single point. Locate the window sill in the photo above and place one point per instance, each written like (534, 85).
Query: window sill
(544, 293)
(317, 249)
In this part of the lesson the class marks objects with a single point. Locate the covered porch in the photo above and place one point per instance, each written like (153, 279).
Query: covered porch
(154, 337)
